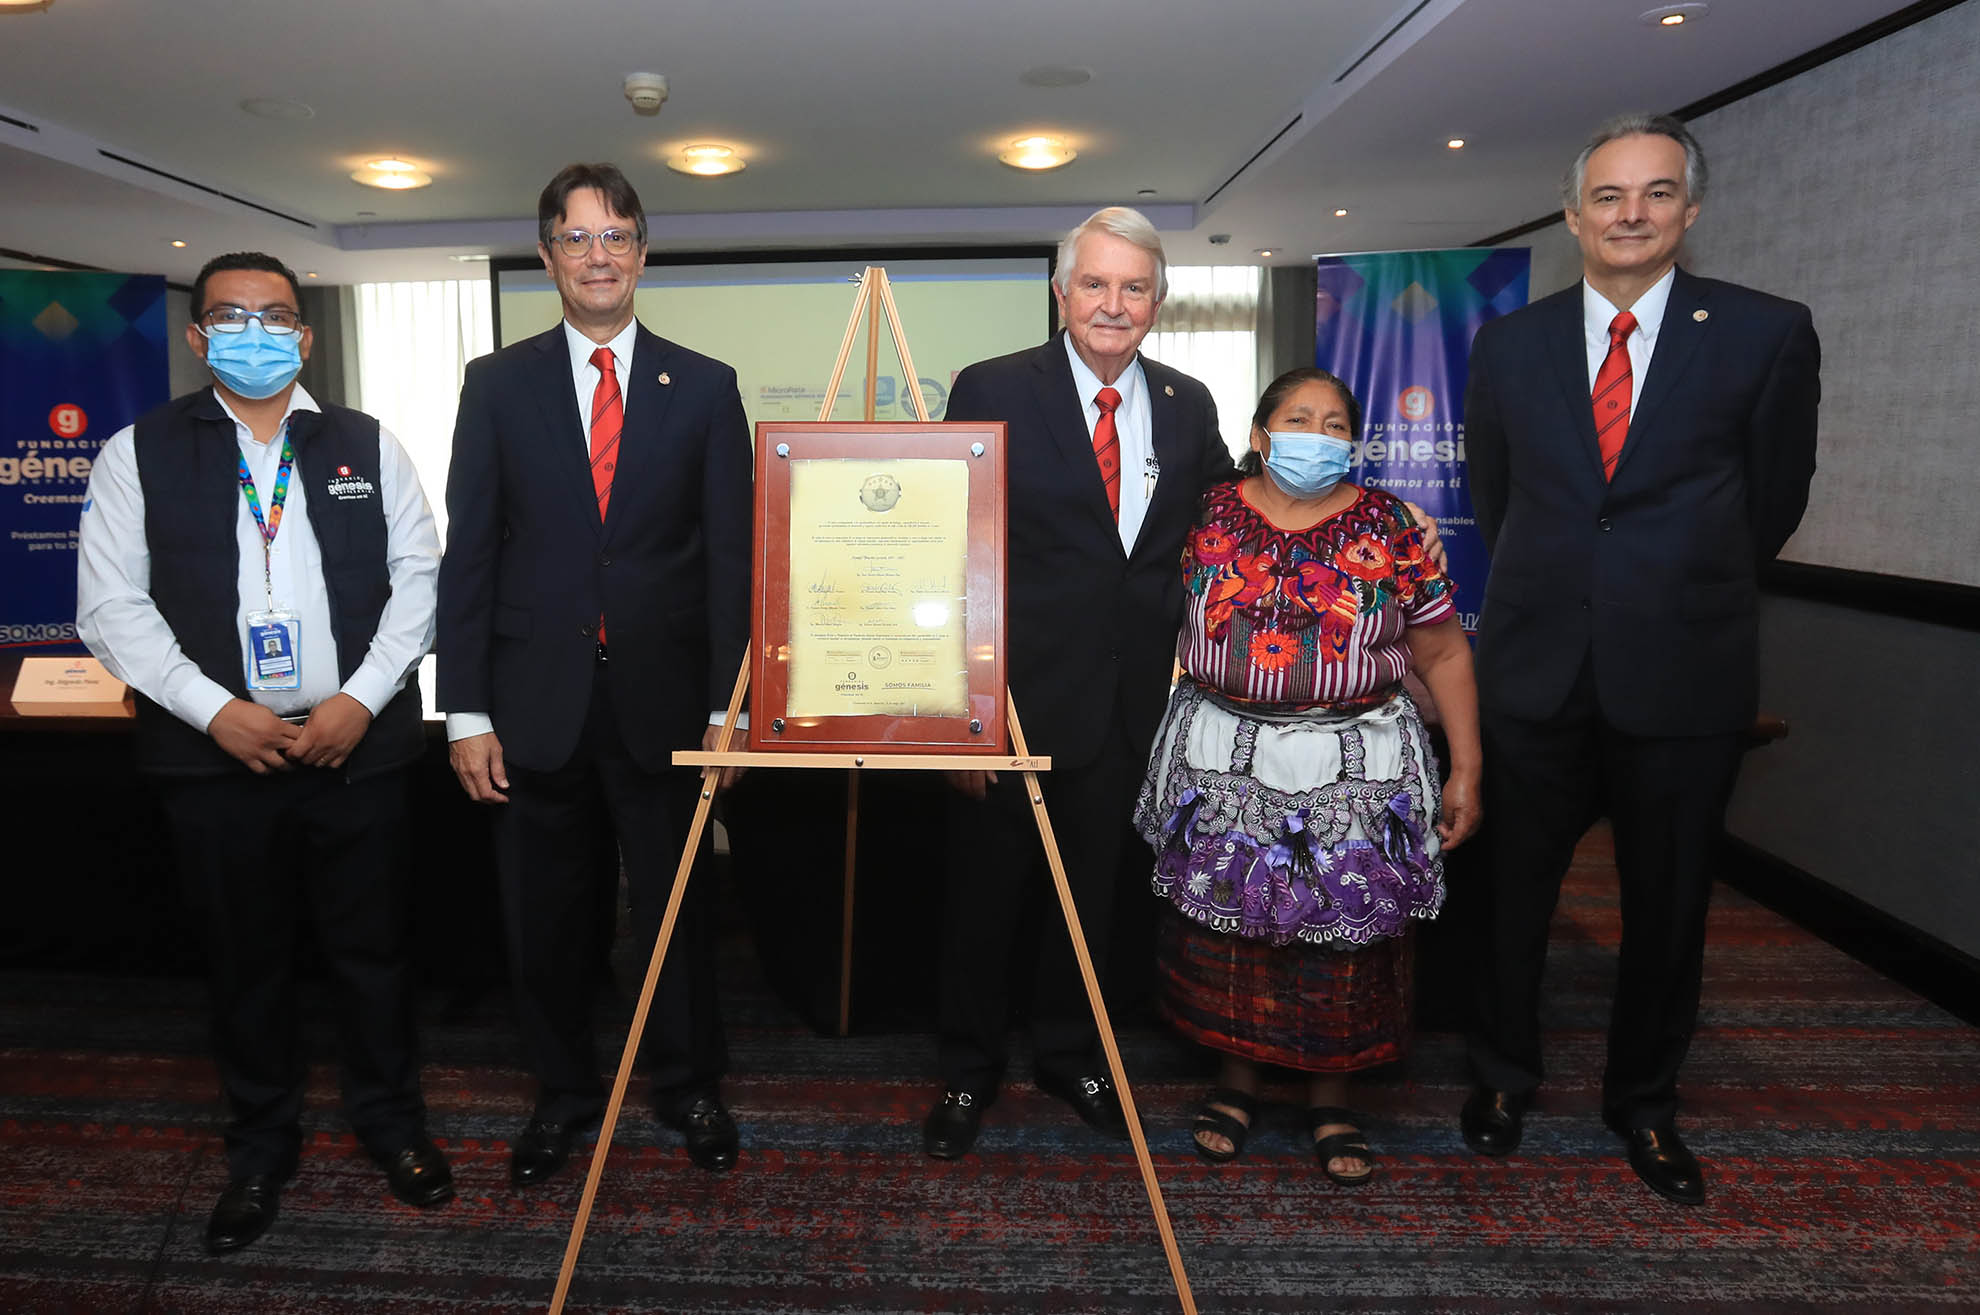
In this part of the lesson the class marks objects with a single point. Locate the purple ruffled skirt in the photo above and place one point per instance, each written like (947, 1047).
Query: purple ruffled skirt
(1314, 827)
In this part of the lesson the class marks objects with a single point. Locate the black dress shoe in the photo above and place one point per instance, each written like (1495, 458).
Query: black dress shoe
(950, 1128)
(1092, 1097)
(1662, 1160)
(540, 1151)
(243, 1213)
(418, 1173)
(1492, 1120)
(705, 1125)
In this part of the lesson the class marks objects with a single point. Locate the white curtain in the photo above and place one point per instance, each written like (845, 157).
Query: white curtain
(414, 341)
(1208, 328)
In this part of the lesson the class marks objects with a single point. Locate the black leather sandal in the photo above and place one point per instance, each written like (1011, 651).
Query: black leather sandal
(1212, 1120)
(1350, 1145)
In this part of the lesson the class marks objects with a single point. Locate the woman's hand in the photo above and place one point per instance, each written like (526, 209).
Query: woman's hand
(1462, 811)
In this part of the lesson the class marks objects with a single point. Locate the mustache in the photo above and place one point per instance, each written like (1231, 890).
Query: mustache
(1111, 321)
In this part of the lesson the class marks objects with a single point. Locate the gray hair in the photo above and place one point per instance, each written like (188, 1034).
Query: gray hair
(1638, 125)
(1123, 222)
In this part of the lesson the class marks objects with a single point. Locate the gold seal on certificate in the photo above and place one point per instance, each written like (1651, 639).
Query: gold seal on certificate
(878, 573)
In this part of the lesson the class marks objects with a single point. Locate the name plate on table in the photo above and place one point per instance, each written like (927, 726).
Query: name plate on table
(68, 687)
(879, 588)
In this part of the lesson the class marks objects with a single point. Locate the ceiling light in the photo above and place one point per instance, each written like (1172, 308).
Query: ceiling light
(309, 274)
(23, 6)
(1265, 252)
(1038, 153)
(707, 160)
(1674, 15)
(392, 174)
(1146, 191)
(178, 241)
(1341, 213)
(1455, 143)
(469, 257)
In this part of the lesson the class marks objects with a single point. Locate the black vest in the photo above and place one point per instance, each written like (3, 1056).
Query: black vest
(188, 462)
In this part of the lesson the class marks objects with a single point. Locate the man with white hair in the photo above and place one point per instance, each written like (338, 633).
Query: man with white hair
(1108, 455)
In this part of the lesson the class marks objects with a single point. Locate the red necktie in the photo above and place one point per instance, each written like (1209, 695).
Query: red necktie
(608, 418)
(1612, 390)
(1107, 448)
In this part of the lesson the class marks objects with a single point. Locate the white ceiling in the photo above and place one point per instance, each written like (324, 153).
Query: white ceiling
(862, 120)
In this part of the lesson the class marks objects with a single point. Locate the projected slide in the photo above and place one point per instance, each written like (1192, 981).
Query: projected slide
(779, 324)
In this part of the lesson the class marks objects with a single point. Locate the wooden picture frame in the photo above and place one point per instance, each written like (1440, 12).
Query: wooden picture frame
(883, 532)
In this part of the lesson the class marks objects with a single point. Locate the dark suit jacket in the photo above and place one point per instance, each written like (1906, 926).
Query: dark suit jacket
(1655, 573)
(529, 568)
(1091, 627)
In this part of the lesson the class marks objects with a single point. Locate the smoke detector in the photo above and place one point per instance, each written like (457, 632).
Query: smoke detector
(646, 91)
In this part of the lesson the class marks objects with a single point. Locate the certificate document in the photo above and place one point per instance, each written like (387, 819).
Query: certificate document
(878, 575)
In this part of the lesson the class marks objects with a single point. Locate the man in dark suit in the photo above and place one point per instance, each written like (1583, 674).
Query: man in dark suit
(594, 606)
(1108, 453)
(1640, 445)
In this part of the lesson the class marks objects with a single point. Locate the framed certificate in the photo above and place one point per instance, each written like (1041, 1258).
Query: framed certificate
(879, 588)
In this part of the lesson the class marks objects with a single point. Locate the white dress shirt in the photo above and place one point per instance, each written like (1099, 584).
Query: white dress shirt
(1596, 316)
(585, 375)
(1133, 427)
(116, 617)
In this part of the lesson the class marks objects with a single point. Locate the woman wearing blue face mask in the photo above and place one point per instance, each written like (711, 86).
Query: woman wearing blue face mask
(1292, 799)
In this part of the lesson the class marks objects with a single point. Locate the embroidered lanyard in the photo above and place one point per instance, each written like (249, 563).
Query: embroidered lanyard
(272, 523)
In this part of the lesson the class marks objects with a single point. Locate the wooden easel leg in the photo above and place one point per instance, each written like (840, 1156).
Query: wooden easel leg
(1036, 795)
(709, 778)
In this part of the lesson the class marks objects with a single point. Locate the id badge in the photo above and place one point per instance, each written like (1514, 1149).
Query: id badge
(274, 645)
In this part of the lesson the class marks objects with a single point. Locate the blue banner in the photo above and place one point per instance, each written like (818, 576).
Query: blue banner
(1397, 326)
(81, 356)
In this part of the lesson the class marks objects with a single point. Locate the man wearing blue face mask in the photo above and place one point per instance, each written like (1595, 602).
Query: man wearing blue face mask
(260, 569)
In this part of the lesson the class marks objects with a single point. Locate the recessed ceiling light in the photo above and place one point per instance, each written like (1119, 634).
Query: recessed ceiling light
(1146, 191)
(1036, 153)
(277, 107)
(1455, 143)
(178, 241)
(1056, 75)
(392, 174)
(309, 274)
(23, 6)
(1340, 213)
(1265, 252)
(706, 160)
(1674, 15)
(469, 257)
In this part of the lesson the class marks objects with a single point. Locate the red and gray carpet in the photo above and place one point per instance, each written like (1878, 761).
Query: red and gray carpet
(1839, 1117)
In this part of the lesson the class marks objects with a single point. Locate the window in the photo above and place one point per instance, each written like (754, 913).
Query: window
(1208, 328)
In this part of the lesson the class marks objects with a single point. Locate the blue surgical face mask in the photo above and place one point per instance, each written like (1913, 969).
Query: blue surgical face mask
(254, 363)
(1307, 465)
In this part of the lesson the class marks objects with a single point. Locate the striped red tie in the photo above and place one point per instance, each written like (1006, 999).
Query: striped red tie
(1107, 448)
(1612, 393)
(608, 418)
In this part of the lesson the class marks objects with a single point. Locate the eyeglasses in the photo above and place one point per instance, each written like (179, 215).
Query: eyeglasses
(275, 320)
(616, 241)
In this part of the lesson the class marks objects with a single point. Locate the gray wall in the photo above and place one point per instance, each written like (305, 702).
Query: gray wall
(1874, 788)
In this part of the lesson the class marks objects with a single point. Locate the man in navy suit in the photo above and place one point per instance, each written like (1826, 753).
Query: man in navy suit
(1096, 533)
(1640, 445)
(594, 606)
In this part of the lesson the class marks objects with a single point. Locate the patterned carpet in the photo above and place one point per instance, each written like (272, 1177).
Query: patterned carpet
(1839, 1117)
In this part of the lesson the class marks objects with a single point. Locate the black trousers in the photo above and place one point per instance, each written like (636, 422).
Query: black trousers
(548, 839)
(997, 873)
(1665, 797)
(255, 854)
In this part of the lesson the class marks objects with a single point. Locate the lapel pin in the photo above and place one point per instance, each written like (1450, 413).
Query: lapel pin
(1701, 315)
(1169, 390)
(665, 380)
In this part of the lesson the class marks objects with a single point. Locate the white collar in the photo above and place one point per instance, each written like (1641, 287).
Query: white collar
(621, 344)
(1597, 311)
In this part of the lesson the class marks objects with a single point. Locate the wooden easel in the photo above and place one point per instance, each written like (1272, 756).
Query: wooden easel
(875, 296)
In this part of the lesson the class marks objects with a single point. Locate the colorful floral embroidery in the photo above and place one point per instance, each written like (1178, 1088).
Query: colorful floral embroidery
(1212, 545)
(1365, 559)
(1241, 583)
(1273, 650)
